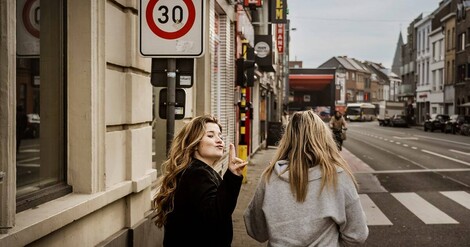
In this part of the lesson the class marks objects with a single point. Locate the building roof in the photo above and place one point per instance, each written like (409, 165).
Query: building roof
(344, 62)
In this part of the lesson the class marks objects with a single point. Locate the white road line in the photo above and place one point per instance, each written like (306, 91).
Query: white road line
(417, 171)
(459, 152)
(443, 140)
(405, 145)
(424, 210)
(414, 148)
(398, 143)
(446, 157)
(374, 215)
(28, 165)
(27, 160)
(405, 138)
(461, 197)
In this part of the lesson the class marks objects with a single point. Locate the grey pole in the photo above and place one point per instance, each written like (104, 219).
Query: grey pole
(170, 107)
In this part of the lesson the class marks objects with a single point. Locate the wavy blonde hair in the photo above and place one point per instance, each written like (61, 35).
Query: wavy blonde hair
(180, 155)
(308, 142)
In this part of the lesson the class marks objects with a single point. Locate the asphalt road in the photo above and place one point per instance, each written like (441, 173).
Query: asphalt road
(415, 185)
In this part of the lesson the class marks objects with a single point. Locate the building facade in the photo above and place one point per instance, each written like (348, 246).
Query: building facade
(86, 174)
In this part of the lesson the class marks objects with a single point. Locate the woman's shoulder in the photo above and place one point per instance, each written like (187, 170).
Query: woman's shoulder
(198, 169)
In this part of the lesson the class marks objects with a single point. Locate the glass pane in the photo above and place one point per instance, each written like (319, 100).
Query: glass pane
(39, 88)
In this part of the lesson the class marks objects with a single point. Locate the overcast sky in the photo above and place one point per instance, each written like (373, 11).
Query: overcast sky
(362, 29)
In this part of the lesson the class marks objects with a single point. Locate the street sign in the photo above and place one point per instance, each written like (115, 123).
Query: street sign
(171, 28)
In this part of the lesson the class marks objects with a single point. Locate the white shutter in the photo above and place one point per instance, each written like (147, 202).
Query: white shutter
(222, 78)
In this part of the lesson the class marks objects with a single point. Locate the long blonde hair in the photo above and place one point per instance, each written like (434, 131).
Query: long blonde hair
(180, 155)
(308, 142)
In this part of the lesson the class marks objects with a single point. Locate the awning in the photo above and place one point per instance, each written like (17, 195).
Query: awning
(310, 82)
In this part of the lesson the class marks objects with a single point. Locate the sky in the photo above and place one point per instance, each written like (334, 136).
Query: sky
(361, 29)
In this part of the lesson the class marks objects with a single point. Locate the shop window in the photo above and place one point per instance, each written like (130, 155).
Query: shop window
(40, 123)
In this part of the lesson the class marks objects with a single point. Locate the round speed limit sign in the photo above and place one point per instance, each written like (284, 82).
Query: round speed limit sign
(171, 28)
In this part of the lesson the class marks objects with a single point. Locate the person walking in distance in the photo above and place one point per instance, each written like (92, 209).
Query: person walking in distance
(194, 204)
(308, 195)
(338, 125)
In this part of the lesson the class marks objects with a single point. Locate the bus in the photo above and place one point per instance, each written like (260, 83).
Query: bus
(360, 112)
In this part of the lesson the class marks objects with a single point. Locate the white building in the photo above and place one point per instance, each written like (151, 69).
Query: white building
(436, 96)
(423, 60)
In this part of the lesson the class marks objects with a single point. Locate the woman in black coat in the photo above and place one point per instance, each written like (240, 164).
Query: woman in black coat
(194, 204)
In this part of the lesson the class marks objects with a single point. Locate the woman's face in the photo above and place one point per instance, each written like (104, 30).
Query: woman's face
(211, 146)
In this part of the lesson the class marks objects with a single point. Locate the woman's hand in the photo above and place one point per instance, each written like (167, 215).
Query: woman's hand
(235, 164)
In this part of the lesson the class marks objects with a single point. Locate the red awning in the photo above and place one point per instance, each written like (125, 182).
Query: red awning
(309, 82)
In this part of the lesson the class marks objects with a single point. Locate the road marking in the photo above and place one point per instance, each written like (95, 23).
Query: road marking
(406, 138)
(459, 152)
(461, 197)
(398, 143)
(374, 216)
(28, 165)
(461, 143)
(29, 150)
(27, 160)
(405, 145)
(424, 210)
(417, 170)
(446, 157)
(414, 148)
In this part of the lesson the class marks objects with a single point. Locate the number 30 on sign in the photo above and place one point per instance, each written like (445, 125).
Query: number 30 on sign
(171, 28)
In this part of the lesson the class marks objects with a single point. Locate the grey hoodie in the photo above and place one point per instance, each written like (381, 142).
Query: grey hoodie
(327, 219)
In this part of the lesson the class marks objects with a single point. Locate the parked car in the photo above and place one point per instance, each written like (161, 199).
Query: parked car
(454, 124)
(436, 122)
(398, 120)
(32, 125)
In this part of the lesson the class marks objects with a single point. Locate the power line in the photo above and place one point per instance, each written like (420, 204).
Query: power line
(344, 19)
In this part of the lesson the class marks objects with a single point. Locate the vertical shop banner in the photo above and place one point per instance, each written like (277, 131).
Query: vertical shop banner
(27, 28)
(280, 38)
(278, 11)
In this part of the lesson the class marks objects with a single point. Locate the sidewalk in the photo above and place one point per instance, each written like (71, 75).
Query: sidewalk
(257, 164)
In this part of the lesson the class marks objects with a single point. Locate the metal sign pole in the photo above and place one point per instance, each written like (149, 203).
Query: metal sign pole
(170, 107)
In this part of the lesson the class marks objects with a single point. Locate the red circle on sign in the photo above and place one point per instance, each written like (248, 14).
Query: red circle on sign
(27, 20)
(170, 35)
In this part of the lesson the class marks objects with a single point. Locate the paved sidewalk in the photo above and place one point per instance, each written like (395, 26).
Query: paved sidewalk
(257, 164)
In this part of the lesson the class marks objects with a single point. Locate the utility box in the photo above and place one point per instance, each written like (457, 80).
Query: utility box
(180, 102)
(184, 72)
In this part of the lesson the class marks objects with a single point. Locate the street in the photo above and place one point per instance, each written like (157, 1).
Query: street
(414, 185)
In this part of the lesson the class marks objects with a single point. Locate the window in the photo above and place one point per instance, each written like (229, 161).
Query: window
(353, 75)
(448, 40)
(461, 45)
(461, 73)
(40, 80)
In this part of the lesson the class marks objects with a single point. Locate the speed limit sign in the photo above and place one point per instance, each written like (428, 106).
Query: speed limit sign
(171, 28)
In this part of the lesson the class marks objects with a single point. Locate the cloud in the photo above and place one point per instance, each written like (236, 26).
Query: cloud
(363, 29)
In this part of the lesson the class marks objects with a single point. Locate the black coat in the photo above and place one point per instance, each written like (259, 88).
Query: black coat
(203, 207)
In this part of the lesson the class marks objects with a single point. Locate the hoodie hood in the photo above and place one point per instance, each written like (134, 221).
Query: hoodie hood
(314, 173)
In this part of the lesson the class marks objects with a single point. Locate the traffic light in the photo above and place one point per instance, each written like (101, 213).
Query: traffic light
(246, 70)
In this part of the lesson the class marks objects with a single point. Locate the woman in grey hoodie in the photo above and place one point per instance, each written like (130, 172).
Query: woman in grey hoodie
(308, 195)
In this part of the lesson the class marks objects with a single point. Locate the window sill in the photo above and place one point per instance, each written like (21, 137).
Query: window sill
(35, 223)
